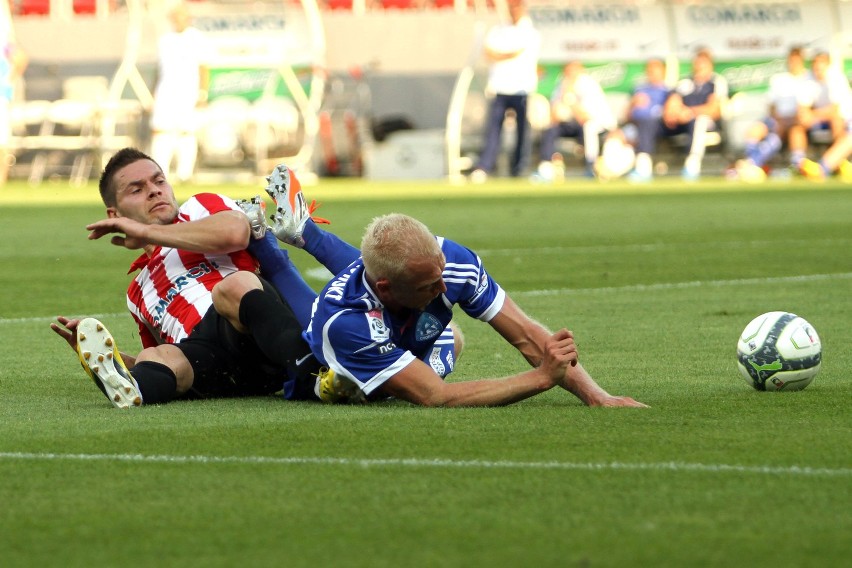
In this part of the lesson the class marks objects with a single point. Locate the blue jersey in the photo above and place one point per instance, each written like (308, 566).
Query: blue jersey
(696, 94)
(353, 334)
(657, 95)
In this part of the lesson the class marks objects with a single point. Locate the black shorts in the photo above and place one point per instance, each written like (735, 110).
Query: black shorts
(227, 363)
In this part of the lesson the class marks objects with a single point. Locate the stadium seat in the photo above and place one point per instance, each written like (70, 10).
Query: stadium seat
(272, 125)
(338, 4)
(443, 4)
(70, 128)
(538, 111)
(85, 6)
(220, 135)
(399, 4)
(31, 7)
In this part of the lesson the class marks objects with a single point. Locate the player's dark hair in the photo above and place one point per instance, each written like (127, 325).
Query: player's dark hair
(123, 157)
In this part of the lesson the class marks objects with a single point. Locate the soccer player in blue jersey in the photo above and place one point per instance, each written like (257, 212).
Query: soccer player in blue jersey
(382, 326)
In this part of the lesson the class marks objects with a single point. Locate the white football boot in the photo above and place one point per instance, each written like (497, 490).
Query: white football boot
(255, 210)
(102, 361)
(291, 209)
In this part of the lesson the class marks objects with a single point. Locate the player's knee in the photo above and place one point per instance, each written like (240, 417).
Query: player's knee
(458, 341)
(228, 293)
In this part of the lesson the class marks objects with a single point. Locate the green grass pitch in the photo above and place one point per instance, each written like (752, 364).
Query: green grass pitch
(655, 281)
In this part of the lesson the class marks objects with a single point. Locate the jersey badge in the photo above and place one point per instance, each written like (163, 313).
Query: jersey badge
(378, 330)
(428, 327)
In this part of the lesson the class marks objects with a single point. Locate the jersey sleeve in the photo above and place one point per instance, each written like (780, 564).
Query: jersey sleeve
(468, 283)
(203, 205)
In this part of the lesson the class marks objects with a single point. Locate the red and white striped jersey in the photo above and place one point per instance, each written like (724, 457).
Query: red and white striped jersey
(173, 290)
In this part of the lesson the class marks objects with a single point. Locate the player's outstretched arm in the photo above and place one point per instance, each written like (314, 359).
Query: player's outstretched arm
(528, 337)
(419, 384)
(220, 233)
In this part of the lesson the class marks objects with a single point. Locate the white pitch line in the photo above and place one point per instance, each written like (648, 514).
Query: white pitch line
(654, 247)
(569, 291)
(685, 285)
(441, 463)
(51, 319)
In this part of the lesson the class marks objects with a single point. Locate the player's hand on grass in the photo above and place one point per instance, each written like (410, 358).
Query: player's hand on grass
(559, 353)
(610, 401)
(67, 330)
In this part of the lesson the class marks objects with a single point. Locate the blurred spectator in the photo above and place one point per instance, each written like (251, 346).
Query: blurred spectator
(182, 83)
(579, 109)
(623, 148)
(826, 104)
(13, 62)
(512, 48)
(645, 115)
(829, 107)
(692, 108)
(833, 161)
(788, 90)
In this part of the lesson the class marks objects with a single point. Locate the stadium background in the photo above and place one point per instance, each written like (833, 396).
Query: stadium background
(393, 89)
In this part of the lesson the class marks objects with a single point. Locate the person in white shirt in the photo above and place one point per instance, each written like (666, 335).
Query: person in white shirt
(579, 109)
(512, 49)
(764, 139)
(829, 108)
(182, 84)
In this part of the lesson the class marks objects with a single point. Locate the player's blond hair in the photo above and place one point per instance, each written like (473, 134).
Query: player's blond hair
(391, 241)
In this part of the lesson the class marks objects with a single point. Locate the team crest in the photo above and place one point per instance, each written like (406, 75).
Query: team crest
(378, 330)
(428, 327)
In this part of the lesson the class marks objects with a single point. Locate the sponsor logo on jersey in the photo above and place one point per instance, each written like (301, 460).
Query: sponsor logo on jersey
(387, 348)
(378, 330)
(178, 284)
(428, 327)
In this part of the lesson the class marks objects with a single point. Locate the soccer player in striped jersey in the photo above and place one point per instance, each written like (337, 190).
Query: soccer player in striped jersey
(209, 325)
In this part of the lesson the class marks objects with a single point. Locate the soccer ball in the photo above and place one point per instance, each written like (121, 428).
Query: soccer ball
(779, 351)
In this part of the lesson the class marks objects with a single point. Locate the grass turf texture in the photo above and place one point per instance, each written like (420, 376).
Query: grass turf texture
(656, 282)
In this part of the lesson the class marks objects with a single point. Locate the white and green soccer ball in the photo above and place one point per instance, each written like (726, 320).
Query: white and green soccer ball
(779, 351)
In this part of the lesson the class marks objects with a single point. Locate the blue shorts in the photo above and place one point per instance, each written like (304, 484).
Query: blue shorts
(442, 357)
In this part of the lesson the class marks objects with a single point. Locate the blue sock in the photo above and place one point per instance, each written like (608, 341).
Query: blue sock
(276, 267)
(796, 158)
(752, 151)
(329, 249)
(825, 169)
(767, 148)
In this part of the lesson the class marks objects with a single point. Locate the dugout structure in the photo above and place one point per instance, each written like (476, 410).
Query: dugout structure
(749, 42)
(267, 82)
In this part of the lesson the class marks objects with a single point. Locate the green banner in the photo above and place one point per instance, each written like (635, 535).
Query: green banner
(614, 76)
(251, 82)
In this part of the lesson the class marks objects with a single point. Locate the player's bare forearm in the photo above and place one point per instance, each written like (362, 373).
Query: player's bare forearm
(419, 384)
(221, 233)
(225, 232)
(497, 392)
(579, 383)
